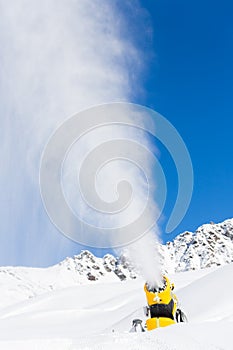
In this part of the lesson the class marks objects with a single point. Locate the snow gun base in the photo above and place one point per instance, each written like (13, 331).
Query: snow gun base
(156, 322)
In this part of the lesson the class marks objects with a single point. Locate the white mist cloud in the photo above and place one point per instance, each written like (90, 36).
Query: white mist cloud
(57, 58)
(137, 171)
(143, 254)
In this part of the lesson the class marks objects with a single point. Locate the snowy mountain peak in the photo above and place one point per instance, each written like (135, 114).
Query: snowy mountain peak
(210, 245)
(91, 268)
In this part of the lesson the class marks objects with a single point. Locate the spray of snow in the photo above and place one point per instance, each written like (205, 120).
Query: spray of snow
(58, 57)
(143, 255)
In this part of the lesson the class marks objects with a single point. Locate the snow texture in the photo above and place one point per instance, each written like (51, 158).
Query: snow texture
(63, 308)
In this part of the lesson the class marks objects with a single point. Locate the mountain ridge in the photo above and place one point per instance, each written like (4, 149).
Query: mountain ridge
(211, 245)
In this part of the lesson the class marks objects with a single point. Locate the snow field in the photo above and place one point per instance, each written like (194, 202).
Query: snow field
(98, 316)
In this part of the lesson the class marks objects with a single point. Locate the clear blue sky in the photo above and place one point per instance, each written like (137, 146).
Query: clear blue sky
(190, 82)
(63, 57)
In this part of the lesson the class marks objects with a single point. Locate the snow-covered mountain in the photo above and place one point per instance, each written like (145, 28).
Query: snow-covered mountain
(93, 269)
(210, 245)
(19, 283)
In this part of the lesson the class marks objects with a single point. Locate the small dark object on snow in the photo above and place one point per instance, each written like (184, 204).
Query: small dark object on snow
(135, 324)
(180, 316)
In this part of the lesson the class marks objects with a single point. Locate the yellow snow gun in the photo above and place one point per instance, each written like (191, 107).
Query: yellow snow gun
(162, 305)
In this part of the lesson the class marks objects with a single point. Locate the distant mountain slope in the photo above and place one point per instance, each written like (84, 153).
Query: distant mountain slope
(210, 245)
(20, 283)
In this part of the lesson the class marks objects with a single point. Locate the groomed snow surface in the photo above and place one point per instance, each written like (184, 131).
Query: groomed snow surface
(98, 316)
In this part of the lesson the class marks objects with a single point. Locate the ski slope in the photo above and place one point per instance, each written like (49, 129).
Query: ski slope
(98, 316)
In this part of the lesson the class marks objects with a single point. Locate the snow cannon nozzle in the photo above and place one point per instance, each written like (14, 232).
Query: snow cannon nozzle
(155, 286)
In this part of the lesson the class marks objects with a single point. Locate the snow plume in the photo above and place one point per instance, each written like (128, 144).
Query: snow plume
(57, 58)
(110, 180)
(143, 255)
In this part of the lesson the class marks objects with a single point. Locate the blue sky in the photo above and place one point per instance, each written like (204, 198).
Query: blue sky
(191, 83)
(174, 57)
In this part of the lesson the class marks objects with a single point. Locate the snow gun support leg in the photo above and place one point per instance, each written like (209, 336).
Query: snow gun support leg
(137, 324)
